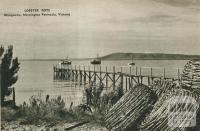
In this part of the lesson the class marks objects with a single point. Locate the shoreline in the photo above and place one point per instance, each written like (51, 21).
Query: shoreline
(60, 126)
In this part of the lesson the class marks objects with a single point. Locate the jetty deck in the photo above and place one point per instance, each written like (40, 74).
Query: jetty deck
(111, 76)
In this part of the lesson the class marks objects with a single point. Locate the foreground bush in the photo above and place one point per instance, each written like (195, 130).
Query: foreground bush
(99, 102)
(44, 110)
(8, 114)
(38, 110)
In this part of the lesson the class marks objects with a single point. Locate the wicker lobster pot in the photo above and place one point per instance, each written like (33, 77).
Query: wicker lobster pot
(191, 74)
(158, 119)
(130, 110)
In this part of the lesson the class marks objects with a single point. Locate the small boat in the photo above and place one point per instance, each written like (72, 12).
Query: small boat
(131, 63)
(96, 61)
(66, 62)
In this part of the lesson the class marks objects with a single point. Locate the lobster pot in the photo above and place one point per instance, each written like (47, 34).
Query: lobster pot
(159, 119)
(191, 74)
(160, 87)
(130, 110)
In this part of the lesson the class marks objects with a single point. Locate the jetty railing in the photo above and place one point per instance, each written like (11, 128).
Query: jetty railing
(111, 76)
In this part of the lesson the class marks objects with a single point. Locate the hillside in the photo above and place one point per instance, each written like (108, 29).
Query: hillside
(148, 56)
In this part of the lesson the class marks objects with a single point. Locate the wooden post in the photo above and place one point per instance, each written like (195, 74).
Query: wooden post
(80, 75)
(75, 73)
(148, 81)
(106, 77)
(136, 72)
(53, 72)
(151, 75)
(160, 80)
(114, 78)
(62, 72)
(14, 96)
(126, 84)
(130, 78)
(122, 80)
(140, 75)
(58, 73)
(72, 74)
(164, 73)
(178, 74)
(94, 75)
(68, 73)
(84, 76)
(100, 77)
(89, 74)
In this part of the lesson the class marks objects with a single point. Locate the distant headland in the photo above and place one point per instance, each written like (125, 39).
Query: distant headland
(129, 56)
(148, 56)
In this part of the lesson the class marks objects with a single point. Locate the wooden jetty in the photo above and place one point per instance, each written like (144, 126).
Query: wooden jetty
(113, 76)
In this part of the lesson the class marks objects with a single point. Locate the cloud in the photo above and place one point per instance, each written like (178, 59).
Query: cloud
(158, 19)
(180, 2)
(95, 26)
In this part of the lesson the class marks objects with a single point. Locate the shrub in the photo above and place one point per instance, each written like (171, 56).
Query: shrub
(43, 110)
(99, 102)
(8, 114)
(93, 96)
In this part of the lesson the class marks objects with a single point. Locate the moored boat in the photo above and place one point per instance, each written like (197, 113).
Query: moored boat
(66, 62)
(131, 63)
(96, 61)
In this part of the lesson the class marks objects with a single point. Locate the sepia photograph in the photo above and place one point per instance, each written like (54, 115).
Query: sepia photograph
(100, 65)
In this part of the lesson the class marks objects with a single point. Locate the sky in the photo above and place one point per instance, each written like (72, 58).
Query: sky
(101, 27)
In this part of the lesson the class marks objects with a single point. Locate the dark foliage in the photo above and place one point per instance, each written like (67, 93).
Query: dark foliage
(1, 51)
(9, 69)
(98, 101)
(42, 110)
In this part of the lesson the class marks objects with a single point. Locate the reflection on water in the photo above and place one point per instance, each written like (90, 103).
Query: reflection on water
(36, 77)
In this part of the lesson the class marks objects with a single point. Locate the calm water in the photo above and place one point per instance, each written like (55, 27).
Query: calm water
(36, 77)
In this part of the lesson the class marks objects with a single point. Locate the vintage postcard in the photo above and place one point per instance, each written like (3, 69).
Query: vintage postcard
(100, 65)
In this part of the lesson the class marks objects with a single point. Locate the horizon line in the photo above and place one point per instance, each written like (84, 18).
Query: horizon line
(55, 59)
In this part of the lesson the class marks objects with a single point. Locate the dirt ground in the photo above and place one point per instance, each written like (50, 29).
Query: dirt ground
(15, 126)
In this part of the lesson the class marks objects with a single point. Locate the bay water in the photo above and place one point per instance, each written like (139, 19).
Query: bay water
(36, 78)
